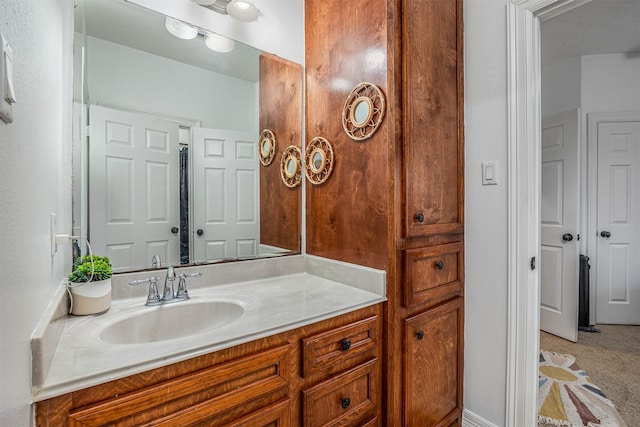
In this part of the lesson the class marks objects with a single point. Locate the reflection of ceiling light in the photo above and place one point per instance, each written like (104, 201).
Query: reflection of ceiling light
(180, 29)
(243, 10)
(219, 43)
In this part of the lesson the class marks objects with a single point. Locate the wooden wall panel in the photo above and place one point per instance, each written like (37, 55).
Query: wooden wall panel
(347, 216)
(281, 111)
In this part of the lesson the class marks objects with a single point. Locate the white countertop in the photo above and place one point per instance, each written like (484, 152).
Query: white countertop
(272, 305)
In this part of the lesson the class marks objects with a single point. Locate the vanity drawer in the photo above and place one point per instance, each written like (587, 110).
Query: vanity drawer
(214, 396)
(433, 273)
(345, 400)
(323, 351)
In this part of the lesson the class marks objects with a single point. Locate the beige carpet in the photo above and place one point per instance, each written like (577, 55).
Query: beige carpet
(612, 361)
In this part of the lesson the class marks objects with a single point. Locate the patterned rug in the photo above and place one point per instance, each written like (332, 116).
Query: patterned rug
(568, 398)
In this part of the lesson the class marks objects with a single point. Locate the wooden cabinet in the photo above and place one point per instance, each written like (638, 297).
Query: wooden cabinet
(345, 398)
(431, 52)
(433, 274)
(261, 383)
(433, 365)
(396, 200)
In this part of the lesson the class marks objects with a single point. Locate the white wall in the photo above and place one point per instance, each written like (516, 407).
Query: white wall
(124, 77)
(561, 86)
(35, 174)
(486, 284)
(610, 83)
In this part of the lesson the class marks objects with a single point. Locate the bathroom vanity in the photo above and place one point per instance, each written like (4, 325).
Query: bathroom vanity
(306, 351)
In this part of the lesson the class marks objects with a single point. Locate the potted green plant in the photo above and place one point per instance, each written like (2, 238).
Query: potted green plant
(90, 285)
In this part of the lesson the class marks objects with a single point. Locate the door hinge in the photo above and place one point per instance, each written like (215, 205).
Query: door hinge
(533, 263)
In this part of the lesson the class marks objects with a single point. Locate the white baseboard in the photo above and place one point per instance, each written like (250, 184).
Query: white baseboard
(469, 419)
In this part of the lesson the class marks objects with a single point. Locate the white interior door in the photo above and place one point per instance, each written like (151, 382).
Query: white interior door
(618, 224)
(133, 188)
(560, 217)
(226, 193)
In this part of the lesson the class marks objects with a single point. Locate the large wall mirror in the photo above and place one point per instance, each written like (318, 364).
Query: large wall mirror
(165, 156)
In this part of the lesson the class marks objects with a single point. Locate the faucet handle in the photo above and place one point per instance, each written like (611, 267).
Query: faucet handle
(182, 285)
(153, 298)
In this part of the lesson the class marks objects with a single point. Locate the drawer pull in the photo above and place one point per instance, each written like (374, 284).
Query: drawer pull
(439, 265)
(419, 335)
(420, 217)
(345, 344)
(345, 402)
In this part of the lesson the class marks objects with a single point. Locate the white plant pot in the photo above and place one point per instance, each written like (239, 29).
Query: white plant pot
(90, 298)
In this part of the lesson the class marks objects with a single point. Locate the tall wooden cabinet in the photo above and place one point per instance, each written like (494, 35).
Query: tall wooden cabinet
(395, 201)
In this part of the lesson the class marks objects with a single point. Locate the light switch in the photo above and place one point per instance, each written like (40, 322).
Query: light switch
(7, 92)
(489, 173)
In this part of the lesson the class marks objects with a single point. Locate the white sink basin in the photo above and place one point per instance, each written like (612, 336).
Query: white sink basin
(171, 321)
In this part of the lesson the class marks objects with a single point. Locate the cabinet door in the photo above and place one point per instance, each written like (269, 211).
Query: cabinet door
(433, 365)
(433, 109)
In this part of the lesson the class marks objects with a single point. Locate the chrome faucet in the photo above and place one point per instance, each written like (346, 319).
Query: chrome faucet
(168, 293)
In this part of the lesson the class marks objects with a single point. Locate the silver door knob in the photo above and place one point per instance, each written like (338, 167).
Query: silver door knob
(605, 234)
(567, 237)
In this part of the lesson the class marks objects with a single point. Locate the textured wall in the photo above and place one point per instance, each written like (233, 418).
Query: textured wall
(35, 165)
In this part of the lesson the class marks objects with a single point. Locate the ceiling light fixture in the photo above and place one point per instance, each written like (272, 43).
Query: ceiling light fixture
(205, 2)
(219, 43)
(180, 29)
(243, 10)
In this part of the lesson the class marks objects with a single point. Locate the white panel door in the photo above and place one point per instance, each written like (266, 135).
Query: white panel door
(559, 216)
(226, 194)
(133, 188)
(618, 224)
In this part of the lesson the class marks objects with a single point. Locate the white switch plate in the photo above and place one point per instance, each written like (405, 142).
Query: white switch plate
(6, 57)
(489, 173)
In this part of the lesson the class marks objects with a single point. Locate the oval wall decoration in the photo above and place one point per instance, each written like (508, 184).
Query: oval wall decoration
(266, 147)
(318, 160)
(363, 111)
(290, 167)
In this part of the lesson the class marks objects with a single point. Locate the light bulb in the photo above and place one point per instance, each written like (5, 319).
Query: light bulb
(243, 10)
(180, 29)
(219, 43)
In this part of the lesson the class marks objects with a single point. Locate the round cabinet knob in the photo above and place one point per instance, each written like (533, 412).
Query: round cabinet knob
(200, 232)
(605, 234)
(175, 230)
(419, 335)
(439, 265)
(420, 217)
(567, 237)
(345, 344)
(345, 402)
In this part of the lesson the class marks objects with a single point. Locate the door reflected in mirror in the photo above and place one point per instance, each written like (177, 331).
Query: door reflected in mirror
(171, 143)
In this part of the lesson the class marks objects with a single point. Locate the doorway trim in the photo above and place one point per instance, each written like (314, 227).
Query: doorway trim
(523, 202)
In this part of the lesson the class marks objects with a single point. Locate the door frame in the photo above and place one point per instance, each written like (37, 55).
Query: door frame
(523, 202)
(593, 121)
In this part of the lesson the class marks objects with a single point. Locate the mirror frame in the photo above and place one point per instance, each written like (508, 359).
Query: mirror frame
(318, 175)
(374, 98)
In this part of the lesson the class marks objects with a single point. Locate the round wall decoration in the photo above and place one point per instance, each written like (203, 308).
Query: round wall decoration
(266, 147)
(363, 111)
(318, 160)
(290, 167)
